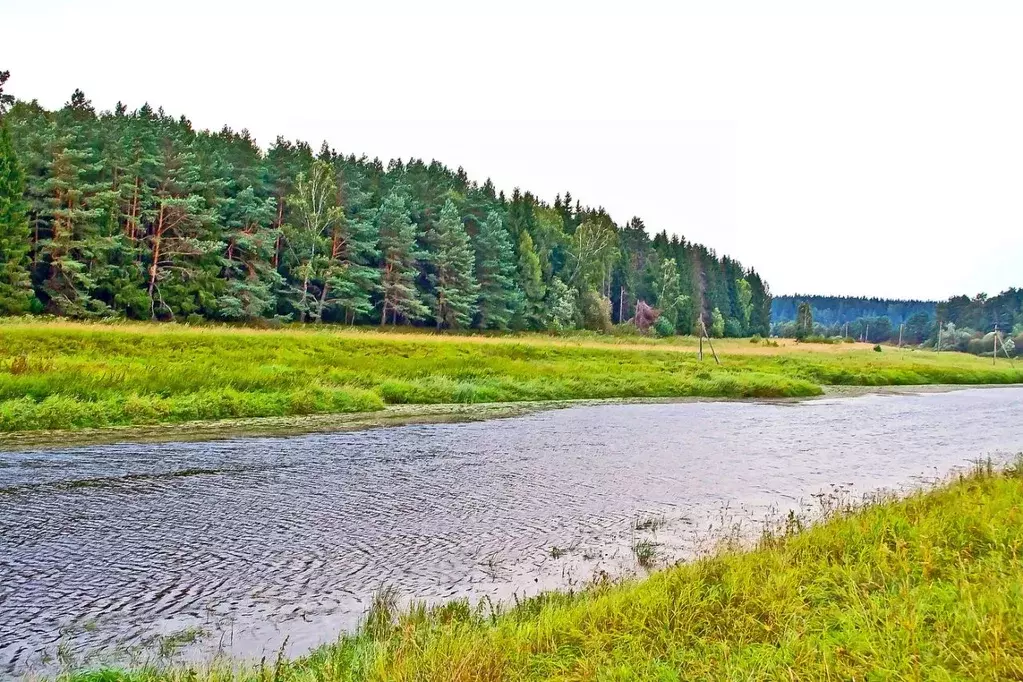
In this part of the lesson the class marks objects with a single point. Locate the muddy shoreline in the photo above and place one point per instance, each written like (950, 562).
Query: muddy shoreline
(392, 415)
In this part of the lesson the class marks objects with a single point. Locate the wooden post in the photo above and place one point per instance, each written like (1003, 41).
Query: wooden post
(1006, 351)
(701, 341)
(709, 342)
(621, 305)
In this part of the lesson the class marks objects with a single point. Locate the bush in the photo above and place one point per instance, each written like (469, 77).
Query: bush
(877, 348)
(756, 338)
(596, 312)
(664, 327)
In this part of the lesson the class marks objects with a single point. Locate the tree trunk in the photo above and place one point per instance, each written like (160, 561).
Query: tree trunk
(157, 238)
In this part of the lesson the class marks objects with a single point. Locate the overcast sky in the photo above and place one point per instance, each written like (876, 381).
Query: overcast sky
(874, 151)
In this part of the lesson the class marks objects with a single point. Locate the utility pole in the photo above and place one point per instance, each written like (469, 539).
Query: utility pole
(937, 348)
(621, 305)
(900, 334)
(994, 346)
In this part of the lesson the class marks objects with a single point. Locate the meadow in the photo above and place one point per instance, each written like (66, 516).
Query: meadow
(929, 586)
(67, 375)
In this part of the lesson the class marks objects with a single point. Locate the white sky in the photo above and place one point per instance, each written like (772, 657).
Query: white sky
(878, 152)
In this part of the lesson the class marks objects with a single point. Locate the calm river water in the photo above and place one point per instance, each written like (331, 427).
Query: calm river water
(123, 551)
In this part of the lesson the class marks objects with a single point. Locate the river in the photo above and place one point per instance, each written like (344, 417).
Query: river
(121, 553)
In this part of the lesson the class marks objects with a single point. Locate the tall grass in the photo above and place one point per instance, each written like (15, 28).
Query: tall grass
(928, 587)
(63, 375)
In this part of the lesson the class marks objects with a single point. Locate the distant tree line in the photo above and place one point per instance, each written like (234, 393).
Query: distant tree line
(136, 214)
(966, 324)
(837, 310)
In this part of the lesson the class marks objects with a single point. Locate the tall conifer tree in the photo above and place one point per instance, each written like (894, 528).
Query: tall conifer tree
(454, 288)
(15, 286)
(500, 298)
(400, 298)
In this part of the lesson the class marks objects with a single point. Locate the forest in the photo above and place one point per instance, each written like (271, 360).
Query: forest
(966, 324)
(135, 214)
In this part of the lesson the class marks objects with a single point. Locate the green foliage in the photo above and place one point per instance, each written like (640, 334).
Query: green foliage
(454, 292)
(398, 248)
(560, 305)
(595, 311)
(664, 327)
(15, 286)
(717, 324)
(136, 214)
(532, 285)
(804, 321)
(670, 298)
(744, 293)
(499, 298)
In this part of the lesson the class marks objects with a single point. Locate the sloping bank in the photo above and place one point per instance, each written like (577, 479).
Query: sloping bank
(926, 587)
(73, 376)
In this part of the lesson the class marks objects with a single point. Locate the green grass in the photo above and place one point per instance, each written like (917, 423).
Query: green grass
(62, 375)
(928, 587)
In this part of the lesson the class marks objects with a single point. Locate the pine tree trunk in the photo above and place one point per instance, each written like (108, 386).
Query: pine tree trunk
(157, 238)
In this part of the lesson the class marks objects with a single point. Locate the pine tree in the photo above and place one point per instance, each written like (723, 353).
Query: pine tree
(499, 297)
(348, 279)
(251, 280)
(531, 284)
(454, 288)
(15, 285)
(398, 268)
(175, 239)
(77, 201)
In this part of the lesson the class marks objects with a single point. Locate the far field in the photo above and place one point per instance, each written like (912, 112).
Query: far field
(64, 375)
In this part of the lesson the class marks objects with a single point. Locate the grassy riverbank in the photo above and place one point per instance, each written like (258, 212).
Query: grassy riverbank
(63, 375)
(926, 587)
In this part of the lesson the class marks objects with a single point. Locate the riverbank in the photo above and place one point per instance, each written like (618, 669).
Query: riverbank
(389, 416)
(930, 584)
(65, 376)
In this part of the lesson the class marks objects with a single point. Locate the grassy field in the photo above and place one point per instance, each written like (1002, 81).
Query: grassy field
(928, 587)
(64, 375)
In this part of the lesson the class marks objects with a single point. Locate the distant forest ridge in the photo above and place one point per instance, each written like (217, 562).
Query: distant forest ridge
(980, 324)
(837, 310)
(134, 213)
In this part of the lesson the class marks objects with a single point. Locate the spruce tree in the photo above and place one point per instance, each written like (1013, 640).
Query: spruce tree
(15, 286)
(499, 298)
(532, 315)
(454, 288)
(400, 298)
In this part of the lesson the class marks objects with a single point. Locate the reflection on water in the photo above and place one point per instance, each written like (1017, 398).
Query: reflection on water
(248, 542)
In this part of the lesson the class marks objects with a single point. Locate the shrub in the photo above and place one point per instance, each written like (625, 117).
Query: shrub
(756, 338)
(877, 348)
(664, 327)
(596, 312)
